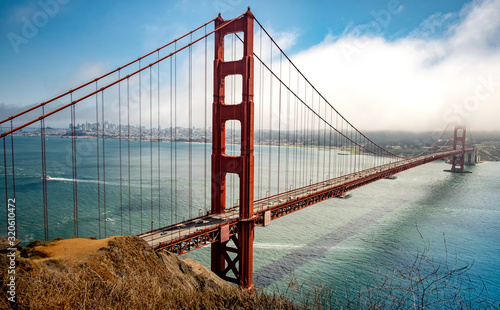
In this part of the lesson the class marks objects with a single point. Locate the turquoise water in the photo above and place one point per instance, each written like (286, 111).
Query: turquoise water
(128, 207)
(451, 217)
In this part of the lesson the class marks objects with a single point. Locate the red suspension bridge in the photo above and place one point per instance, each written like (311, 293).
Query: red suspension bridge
(142, 165)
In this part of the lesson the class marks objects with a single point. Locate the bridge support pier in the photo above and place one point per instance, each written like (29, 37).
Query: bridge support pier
(224, 257)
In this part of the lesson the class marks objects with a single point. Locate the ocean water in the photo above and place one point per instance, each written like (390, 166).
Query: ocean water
(451, 218)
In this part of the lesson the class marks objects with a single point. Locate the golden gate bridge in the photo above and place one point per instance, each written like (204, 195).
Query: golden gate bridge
(147, 167)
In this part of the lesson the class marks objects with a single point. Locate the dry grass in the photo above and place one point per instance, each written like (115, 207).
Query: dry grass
(48, 290)
(73, 248)
(122, 273)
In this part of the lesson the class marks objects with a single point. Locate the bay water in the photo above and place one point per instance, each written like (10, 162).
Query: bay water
(452, 218)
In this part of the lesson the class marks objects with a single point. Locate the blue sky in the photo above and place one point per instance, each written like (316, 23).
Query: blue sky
(40, 62)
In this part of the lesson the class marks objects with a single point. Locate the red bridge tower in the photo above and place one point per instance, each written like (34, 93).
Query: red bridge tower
(458, 161)
(243, 165)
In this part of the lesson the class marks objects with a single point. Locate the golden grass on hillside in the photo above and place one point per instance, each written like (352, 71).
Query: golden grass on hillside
(122, 273)
(60, 290)
(77, 248)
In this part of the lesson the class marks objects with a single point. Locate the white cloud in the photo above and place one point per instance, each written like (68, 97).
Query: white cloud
(436, 24)
(420, 82)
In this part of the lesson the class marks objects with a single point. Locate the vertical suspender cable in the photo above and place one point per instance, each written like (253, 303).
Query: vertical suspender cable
(338, 163)
(353, 155)
(270, 121)
(261, 118)
(128, 155)
(205, 207)
(158, 144)
(44, 179)
(296, 137)
(287, 163)
(342, 141)
(313, 138)
(324, 147)
(309, 157)
(352, 150)
(151, 140)
(360, 149)
(360, 166)
(302, 127)
(348, 160)
(330, 150)
(344, 148)
(336, 145)
(171, 149)
(318, 141)
(309, 141)
(304, 146)
(97, 160)
(74, 169)
(175, 128)
(190, 130)
(306, 141)
(356, 152)
(104, 164)
(140, 141)
(360, 158)
(120, 151)
(347, 148)
(279, 128)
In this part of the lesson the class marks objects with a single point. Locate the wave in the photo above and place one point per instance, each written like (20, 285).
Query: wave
(134, 184)
(275, 246)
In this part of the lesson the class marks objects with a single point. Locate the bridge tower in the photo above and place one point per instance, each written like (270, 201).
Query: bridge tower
(458, 161)
(225, 258)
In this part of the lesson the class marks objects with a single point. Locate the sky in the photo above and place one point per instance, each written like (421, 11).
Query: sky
(384, 64)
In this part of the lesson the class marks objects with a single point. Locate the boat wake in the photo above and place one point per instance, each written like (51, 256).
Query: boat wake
(80, 181)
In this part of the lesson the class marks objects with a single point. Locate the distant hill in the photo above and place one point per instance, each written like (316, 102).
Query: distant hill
(406, 143)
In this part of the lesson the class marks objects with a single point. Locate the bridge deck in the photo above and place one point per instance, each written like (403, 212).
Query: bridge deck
(201, 231)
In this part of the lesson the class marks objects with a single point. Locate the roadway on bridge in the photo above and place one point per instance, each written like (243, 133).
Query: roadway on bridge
(186, 229)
